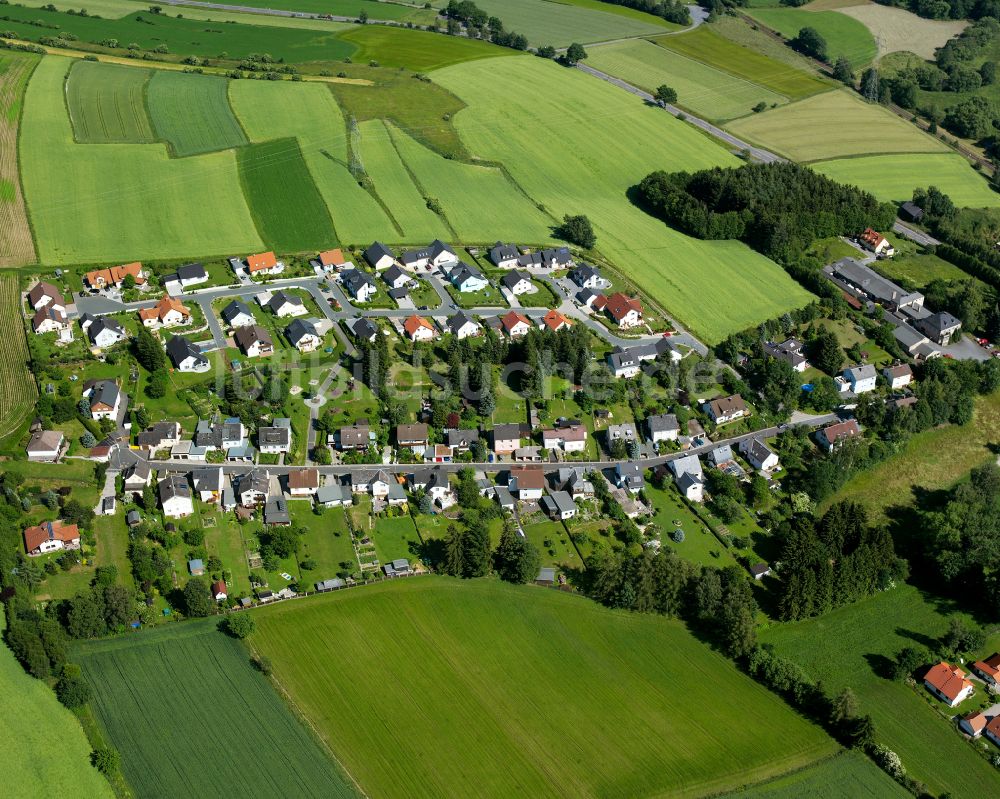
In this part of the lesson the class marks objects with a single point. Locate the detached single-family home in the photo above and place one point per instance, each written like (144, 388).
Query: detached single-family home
(264, 263)
(160, 435)
(208, 482)
(627, 363)
(105, 398)
(254, 341)
(515, 324)
(587, 277)
(625, 311)
(559, 505)
(115, 276)
(168, 312)
(858, 379)
(333, 495)
(759, 455)
(46, 445)
(358, 284)
(49, 319)
(253, 488)
(51, 537)
(103, 333)
(362, 329)
(45, 295)
(629, 477)
(554, 321)
(506, 438)
(877, 243)
(939, 327)
(898, 376)
(973, 724)
(185, 356)
(192, 274)
(789, 350)
(416, 259)
(663, 427)
(442, 254)
(275, 439)
(689, 477)
(726, 409)
(833, 435)
(396, 277)
(354, 437)
(462, 326)
(238, 314)
(557, 258)
(526, 482)
(332, 259)
(303, 482)
(503, 256)
(419, 329)
(466, 279)
(283, 304)
(219, 590)
(411, 436)
(517, 283)
(136, 477)
(621, 432)
(948, 683)
(989, 670)
(302, 335)
(459, 441)
(175, 496)
(379, 256)
(569, 439)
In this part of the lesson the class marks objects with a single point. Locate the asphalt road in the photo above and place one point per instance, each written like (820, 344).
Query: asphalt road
(911, 233)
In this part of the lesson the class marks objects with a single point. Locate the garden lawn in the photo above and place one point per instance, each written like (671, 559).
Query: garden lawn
(893, 178)
(848, 775)
(699, 545)
(32, 719)
(848, 648)
(832, 125)
(903, 31)
(183, 704)
(518, 660)
(706, 45)
(152, 198)
(396, 538)
(706, 91)
(420, 51)
(327, 540)
(192, 113)
(844, 36)
(564, 164)
(559, 551)
(107, 103)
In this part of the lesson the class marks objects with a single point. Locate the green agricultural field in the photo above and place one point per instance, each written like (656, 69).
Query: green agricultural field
(706, 91)
(421, 51)
(399, 12)
(903, 31)
(32, 719)
(848, 647)
(518, 660)
(564, 164)
(849, 775)
(706, 45)
(152, 198)
(894, 177)
(844, 36)
(17, 245)
(286, 205)
(184, 706)
(833, 125)
(192, 113)
(107, 103)
(17, 385)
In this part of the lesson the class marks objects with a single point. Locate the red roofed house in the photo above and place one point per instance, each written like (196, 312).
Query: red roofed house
(624, 311)
(973, 723)
(332, 259)
(515, 325)
(219, 590)
(115, 276)
(419, 329)
(993, 730)
(46, 295)
(876, 242)
(264, 263)
(948, 683)
(554, 321)
(168, 312)
(834, 434)
(51, 537)
(989, 670)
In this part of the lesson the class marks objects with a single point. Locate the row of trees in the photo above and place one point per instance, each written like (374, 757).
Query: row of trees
(670, 10)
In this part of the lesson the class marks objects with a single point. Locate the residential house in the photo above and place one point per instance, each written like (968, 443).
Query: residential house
(358, 284)
(282, 304)
(264, 263)
(275, 439)
(135, 478)
(302, 335)
(46, 445)
(877, 243)
(115, 276)
(219, 590)
(939, 327)
(517, 283)
(559, 505)
(379, 256)
(948, 683)
(503, 256)
(759, 455)
(621, 432)
(573, 480)
(627, 363)
(462, 326)
(159, 436)
(332, 495)
(506, 438)
(398, 568)
(993, 730)
(973, 724)
(105, 399)
(395, 277)
(332, 259)
(663, 427)
(531, 260)
(254, 341)
(50, 319)
(442, 254)
(419, 329)
(231, 432)
(898, 376)
(436, 484)
(554, 321)
(303, 482)
(629, 477)
(720, 455)
(411, 436)
(45, 295)
(759, 571)
(192, 274)
(51, 537)
(276, 513)
(833, 435)
(689, 477)
(557, 258)
(175, 496)
(727, 409)
(569, 439)
(354, 437)
(103, 333)
(208, 482)
(237, 314)
(466, 279)
(858, 379)
(416, 259)
(526, 482)
(363, 329)
(790, 351)
(587, 277)
(459, 441)
(185, 356)
(515, 325)
(989, 670)
(253, 488)
(624, 311)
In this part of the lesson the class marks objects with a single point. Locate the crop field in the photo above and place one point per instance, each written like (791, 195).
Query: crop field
(806, 131)
(848, 646)
(844, 36)
(903, 31)
(564, 165)
(186, 708)
(17, 245)
(192, 113)
(288, 208)
(703, 89)
(152, 199)
(707, 46)
(32, 719)
(848, 775)
(420, 51)
(17, 386)
(400, 12)
(107, 104)
(517, 660)
(894, 177)
(394, 185)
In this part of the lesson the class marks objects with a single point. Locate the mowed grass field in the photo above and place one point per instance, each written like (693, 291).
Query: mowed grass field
(706, 91)
(17, 386)
(715, 288)
(17, 245)
(894, 177)
(403, 12)
(191, 716)
(45, 752)
(844, 648)
(833, 125)
(705, 45)
(74, 191)
(192, 113)
(432, 687)
(420, 51)
(844, 36)
(286, 205)
(107, 103)
(903, 31)
(848, 775)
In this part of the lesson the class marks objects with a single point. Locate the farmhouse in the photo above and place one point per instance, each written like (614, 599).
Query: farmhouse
(103, 333)
(49, 319)
(46, 445)
(282, 304)
(517, 283)
(238, 314)
(115, 276)
(265, 263)
(948, 683)
(727, 409)
(663, 427)
(105, 398)
(506, 438)
(168, 312)
(834, 435)
(876, 243)
(515, 325)
(758, 454)
(254, 341)
(526, 482)
(51, 537)
(185, 356)
(360, 285)
(503, 256)
(45, 295)
(419, 329)
(332, 259)
(554, 321)
(379, 256)
(303, 482)
(898, 376)
(395, 277)
(276, 438)
(624, 311)
(559, 505)
(466, 279)
(192, 274)
(175, 497)
(302, 335)
(462, 326)
(790, 351)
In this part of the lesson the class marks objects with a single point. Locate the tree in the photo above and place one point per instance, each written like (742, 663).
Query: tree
(844, 709)
(826, 351)
(811, 43)
(546, 51)
(666, 95)
(148, 351)
(970, 119)
(577, 230)
(239, 625)
(156, 388)
(759, 490)
(476, 553)
(197, 598)
(88, 439)
(516, 559)
(72, 690)
(106, 760)
(862, 732)
(454, 549)
(842, 71)
(574, 54)
(909, 659)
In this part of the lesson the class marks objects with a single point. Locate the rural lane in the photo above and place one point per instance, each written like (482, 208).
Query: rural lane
(918, 236)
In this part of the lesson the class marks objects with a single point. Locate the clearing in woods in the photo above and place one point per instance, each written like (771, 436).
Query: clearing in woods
(517, 660)
(17, 386)
(903, 31)
(17, 247)
(192, 113)
(192, 716)
(107, 104)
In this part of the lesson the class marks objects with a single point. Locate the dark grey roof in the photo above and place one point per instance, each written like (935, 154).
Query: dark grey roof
(437, 247)
(173, 485)
(234, 309)
(105, 324)
(463, 272)
(274, 436)
(276, 511)
(104, 391)
(400, 293)
(245, 337)
(255, 480)
(558, 256)
(193, 271)
(207, 479)
(354, 279)
(502, 252)
(663, 422)
(412, 256)
(179, 349)
(393, 273)
(505, 432)
(583, 273)
(362, 328)
(298, 329)
(458, 321)
(376, 251)
(456, 438)
(280, 298)
(514, 277)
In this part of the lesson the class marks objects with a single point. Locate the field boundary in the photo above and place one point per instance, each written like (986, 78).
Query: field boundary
(30, 254)
(416, 182)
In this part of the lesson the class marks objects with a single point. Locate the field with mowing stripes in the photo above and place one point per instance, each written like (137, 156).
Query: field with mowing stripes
(17, 386)
(849, 775)
(894, 177)
(403, 12)
(518, 661)
(902, 30)
(833, 125)
(17, 245)
(844, 36)
(706, 91)
(107, 104)
(420, 51)
(191, 716)
(192, 113)
(707, 46)
(286, 205)
(152, 207)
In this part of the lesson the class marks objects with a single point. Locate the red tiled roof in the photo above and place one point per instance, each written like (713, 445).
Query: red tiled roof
(115, 275)
(35, 536)
(948, 680)
(619, 305)
(332, 258)
(511, 319)
(554, 320)
(261, 261)
(414, 323)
